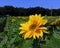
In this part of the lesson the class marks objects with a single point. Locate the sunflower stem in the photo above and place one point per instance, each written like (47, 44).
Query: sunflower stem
(36, 43)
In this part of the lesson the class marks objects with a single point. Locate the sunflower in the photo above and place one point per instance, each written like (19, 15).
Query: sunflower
(13, 20)
(55, 21)
(33, 27)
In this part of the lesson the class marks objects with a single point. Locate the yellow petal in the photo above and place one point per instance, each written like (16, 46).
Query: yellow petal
(44, 22)
(27, 35)
(20, 27)
(37, 35)
(41, 34)
(22, 32)
(43, 28)
(34, 36)
(45, 31)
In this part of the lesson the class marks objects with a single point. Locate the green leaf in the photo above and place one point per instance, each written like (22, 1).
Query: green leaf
(56, 35)
(58, 27)
(4, 41)
(51, 20)
(10, 44)
(25, 44)
(58, 23)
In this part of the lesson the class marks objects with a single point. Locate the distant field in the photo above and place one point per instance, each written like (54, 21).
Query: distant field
(11, 37)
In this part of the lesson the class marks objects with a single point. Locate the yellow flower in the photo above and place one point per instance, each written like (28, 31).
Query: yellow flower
(54, 22)
(34, 27)
(13, 20)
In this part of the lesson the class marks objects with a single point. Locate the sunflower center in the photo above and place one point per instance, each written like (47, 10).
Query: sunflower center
(33, 26)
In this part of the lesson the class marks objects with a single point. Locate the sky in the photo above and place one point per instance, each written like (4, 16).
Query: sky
(51, 4)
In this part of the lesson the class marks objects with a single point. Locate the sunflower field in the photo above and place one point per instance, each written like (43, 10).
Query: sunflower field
(34, 31)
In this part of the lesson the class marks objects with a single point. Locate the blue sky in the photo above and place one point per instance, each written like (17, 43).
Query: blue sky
(31, 3)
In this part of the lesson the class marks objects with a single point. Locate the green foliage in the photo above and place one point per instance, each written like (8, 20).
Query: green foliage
(51, 20)
(54, 42)
(2, 20)
(12, 39)
(2, 23)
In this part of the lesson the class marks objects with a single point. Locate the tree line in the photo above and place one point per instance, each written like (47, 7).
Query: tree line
(14, 11)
